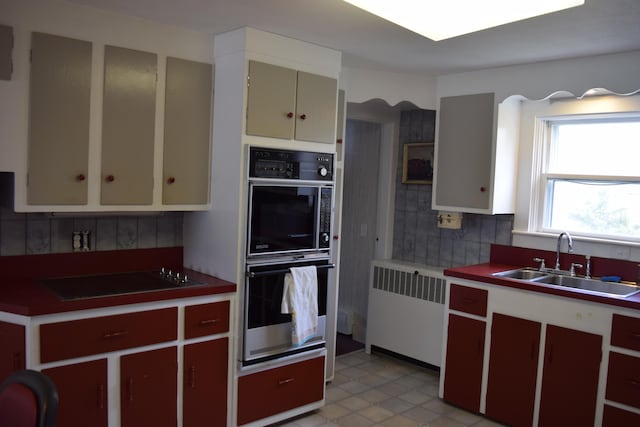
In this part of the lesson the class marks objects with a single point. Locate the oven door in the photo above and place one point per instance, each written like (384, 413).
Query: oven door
(282, 218)
(267, 332)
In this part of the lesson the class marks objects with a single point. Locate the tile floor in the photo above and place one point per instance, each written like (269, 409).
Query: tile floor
(380, 390)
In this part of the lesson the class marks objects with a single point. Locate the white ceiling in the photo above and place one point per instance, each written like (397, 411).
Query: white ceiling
(600, 26)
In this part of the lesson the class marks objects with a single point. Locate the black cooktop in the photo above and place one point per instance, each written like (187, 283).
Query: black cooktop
(81, 287)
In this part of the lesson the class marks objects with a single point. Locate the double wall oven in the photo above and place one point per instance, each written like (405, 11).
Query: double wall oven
(289, 224)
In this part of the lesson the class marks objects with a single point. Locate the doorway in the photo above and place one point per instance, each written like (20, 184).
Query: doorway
(359, 224)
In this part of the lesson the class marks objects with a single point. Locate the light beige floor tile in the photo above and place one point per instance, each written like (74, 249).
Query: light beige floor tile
(445, 422)
(354, 387)
(374, 395)
(415, 397)
(354, 403)
(466, 418)
(372, 380)
(437, 405)
(376, 413)
(421, 415)
(354, 420)
(336, 393)
(333, 411)
(400, 421)
(395, 405)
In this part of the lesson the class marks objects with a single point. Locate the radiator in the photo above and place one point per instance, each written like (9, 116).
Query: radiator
(406, 310)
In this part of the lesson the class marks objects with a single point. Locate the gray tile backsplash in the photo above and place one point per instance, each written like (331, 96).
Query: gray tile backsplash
(416, 236)
(42, 233)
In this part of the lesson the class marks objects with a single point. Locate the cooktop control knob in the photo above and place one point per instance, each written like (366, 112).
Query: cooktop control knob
(323, 171)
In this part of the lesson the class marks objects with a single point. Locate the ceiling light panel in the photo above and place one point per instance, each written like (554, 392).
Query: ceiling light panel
(443, 19)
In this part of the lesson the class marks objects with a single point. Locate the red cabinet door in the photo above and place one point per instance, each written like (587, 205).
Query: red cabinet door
(205, 383)
(82, 393)
(12, 354)
(570, 377)
(513, 367)
(464, 361)
(148, 388)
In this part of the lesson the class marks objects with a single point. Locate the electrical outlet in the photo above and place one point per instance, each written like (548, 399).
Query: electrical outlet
(76, 241)
(86, 240)
(452, 220)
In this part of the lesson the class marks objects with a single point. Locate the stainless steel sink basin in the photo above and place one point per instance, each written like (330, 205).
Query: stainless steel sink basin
(590, 285)
(521, 274)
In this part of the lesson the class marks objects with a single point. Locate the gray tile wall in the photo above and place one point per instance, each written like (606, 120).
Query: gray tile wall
(416, 236)
(42, 233)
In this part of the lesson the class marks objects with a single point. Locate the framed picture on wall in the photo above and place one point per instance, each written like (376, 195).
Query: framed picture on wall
(417, 163)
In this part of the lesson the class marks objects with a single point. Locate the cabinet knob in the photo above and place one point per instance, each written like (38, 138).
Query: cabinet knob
(289, 115)
(171, 180)
(303, 116)
(110, 178)
(483, 189)
(80, 177)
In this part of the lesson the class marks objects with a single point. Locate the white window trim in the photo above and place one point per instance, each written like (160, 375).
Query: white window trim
(530, 191)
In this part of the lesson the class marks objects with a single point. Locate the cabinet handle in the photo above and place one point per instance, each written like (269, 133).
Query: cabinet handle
(289, 115)
(110, 178)
(101, 394)
(171, 180)
(286, 381)
(192, 376)
(483, 189)
(116, 334)
(206, 322)
(303, 117)
(80, 177)
(130, 389)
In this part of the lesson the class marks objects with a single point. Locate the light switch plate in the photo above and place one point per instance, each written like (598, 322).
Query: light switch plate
(452, 220)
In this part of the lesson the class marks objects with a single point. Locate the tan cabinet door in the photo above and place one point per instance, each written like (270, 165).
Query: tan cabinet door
(60, 84)
(187, 130)
(271, 101)
(128, 123)
(464, 151)
(316, 108)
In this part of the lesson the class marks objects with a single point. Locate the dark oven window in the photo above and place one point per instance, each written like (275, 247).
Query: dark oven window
(283, 218)
(264, 296)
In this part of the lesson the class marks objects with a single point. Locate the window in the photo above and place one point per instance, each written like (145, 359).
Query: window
(590, 176)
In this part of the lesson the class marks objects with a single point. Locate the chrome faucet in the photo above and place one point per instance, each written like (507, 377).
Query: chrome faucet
(569, 247)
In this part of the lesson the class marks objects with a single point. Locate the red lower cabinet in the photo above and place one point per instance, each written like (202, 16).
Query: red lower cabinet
(616, 417)
(82, 393)
(205, 383)
(277, 390)
(570, 377)
(148, 388)
(464, 361)
(12, 355)
(513, 368)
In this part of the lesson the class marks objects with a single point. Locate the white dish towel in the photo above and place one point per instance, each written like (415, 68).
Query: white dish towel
(300, 299)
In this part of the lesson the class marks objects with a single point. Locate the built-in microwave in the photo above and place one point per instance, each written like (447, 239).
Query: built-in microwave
(290, 202)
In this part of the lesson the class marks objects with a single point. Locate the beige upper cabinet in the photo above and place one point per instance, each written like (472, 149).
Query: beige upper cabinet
(475, 165)
(187, 132)
(290, 104)
(128, 125)
(60, 85)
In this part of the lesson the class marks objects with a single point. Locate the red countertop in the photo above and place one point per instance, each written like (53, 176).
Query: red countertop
(508, 258)
(22, 293)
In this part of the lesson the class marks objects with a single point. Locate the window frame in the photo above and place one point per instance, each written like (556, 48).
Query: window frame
(544, 134)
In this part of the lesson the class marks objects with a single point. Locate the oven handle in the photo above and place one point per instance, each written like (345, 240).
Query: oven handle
(251, 274)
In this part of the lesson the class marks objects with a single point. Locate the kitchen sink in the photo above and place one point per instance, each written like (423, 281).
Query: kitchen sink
(521, 274)
(591, 286)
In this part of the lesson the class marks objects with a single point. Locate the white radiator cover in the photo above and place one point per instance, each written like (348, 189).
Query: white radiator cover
(406, 310)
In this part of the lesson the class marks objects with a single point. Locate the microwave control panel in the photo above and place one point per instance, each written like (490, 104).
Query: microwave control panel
(290, 164)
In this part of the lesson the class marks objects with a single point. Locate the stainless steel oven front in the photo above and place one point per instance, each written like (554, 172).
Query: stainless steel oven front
(266, 331)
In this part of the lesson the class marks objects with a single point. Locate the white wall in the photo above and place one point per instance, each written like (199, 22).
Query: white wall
(362, 85)
(84, 23)
(616, 72)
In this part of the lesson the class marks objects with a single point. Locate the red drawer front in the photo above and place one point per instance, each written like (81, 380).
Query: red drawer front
(280, 389)
(469, 300)
(625, 332)
(616, 417)
(65, 340)
(12, 356)
(206, 319)
(623, 381)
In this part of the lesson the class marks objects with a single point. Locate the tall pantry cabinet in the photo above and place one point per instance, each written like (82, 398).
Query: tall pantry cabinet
(276, 92)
